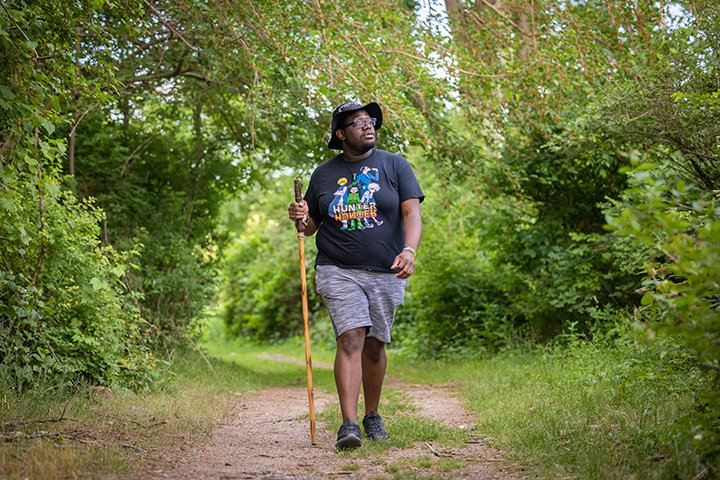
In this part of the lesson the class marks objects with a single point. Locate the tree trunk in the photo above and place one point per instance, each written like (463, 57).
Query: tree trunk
(76, 118)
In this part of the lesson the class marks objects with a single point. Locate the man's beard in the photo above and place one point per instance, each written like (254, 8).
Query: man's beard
(362, 146)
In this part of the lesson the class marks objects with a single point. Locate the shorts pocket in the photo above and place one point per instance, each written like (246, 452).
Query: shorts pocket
(321, 275)
(398, 293)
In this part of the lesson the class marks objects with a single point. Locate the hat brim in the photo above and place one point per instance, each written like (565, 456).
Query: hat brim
(372, 108)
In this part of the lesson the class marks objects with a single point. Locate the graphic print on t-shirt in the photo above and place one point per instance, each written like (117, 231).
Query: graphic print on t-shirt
(354, 203)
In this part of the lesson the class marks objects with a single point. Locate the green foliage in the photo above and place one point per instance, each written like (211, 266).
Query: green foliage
(456, 299)
(205, 113)
(262, 291)
(673, 111)
(678, 226)
(168, 109)
(521, 124)
(503, 262)
(65, 308)
(529, 172)
(629, 402)
(155, 197)
(670, 213)
(66, 313)
(533, 156)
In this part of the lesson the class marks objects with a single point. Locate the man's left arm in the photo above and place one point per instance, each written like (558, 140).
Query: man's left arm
(412, 225)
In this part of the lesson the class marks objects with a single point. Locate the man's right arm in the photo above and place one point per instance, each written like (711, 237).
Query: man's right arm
(299, 211)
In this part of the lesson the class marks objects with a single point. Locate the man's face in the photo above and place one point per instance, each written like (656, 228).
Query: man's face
(358, 140)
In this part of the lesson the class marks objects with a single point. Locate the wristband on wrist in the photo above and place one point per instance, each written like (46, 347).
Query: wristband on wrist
(409, 249)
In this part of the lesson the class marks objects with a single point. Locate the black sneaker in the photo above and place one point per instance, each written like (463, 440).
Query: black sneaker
(374, 429)
(349, 436)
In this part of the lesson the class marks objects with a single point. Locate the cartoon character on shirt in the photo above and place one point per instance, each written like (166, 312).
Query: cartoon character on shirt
(366, 176)
(369, 199)
(353, 201)
(339, 199)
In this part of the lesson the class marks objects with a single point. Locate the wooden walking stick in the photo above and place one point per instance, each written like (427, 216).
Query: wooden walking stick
(300, 227)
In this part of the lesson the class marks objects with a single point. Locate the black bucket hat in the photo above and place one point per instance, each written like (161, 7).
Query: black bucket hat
(341, 112)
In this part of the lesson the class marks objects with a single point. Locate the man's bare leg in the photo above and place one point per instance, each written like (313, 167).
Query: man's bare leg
(374, 364)
(349, 371)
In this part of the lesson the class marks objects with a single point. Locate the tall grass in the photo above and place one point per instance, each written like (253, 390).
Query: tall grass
(104, 433)
(612, 409)
(604, 410)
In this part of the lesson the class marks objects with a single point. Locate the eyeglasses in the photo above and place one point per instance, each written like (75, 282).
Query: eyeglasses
(361, 123)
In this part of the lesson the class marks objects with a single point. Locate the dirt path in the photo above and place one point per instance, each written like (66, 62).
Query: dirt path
(266, 436)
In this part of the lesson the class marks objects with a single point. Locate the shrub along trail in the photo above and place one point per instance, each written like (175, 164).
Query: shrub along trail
(267, 436)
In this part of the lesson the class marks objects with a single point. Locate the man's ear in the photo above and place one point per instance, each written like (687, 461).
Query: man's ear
(341, 137)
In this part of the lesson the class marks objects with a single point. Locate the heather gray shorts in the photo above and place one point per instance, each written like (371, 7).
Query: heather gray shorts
(359, 298)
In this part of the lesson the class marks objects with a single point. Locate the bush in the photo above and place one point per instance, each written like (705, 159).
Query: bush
(678, 225)
(65, 310)
(499, 266)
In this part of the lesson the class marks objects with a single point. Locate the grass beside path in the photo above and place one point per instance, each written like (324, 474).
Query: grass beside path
(585, 411)
(580, 411)
(103, 433)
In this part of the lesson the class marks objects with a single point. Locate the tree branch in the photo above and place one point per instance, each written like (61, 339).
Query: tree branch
(13, 423)
(12, 19)
(41, 233)
(55, 436)
(458, 69)
(509, 20)
(175, 73)
(139, 149)
(168, 25)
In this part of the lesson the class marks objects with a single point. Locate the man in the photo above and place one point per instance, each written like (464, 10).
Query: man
(361, 273)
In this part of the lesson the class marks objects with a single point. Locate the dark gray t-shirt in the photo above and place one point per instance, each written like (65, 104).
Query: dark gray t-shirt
(357, 205)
